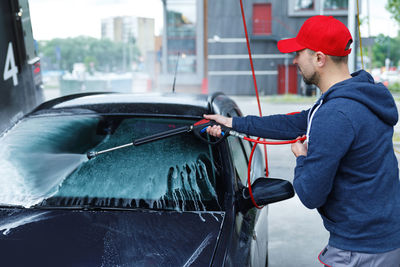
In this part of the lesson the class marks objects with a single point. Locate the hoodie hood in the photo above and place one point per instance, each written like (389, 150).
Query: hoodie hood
(363, 89)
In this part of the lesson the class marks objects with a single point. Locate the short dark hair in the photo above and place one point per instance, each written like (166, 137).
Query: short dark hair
(339, 60)
(335, 59)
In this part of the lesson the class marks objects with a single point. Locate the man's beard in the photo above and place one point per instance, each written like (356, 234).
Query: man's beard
(314, 79)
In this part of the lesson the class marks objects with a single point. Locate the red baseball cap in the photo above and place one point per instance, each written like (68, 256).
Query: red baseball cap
(320, 33)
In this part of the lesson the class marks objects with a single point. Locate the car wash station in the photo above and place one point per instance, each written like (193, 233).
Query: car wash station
(105, 159)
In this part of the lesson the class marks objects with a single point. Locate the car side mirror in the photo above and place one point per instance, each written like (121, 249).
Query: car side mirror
(265, 191)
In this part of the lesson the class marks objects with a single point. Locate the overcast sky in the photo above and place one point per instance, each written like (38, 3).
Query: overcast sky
(381, 21)
(70, 18)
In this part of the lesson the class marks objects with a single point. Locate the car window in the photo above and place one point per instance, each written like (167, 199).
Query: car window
(45, 158)
(239, 158)
(247, 148)
(246, 145)
(240, 152)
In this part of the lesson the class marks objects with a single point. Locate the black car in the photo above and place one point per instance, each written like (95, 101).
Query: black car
(177, 201)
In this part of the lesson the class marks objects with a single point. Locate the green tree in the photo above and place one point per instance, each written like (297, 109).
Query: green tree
(385, 47)
(393, 6)
(99, 55)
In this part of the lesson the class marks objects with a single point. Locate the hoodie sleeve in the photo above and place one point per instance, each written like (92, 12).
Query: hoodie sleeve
(330, 138)
(275, 126)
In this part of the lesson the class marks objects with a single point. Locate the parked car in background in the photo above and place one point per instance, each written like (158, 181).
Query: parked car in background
(390, 77)
(173, 202)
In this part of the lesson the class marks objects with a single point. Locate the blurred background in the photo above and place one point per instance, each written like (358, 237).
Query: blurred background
(139, 46)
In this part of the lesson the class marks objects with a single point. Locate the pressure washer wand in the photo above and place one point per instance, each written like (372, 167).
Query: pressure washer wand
(162, 135)
(92, 154)
(199, 129)
(144, 140)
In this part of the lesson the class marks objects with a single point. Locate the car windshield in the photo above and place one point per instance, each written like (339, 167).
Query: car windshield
(43, 162)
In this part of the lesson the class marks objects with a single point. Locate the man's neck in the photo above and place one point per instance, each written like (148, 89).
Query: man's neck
(332, 76)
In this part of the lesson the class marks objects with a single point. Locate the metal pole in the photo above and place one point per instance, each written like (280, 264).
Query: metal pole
(164, 60)
(351, 24)
(369, 36)
(321, 8)
(287, 74)
(124, 56)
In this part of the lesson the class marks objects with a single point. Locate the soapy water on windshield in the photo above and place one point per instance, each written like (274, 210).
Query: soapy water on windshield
(174, 170)
(131, 187)
(43, 174)
(38, 179)
(33, 162)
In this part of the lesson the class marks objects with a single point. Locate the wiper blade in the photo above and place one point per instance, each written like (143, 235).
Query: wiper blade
(73, 207)
(92, 208)
(10, 206)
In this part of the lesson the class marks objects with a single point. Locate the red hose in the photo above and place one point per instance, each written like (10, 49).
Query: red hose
(265, 143)
(250, 58)
(274, 142)
(251, 158)
(248, 174)
(254, 80)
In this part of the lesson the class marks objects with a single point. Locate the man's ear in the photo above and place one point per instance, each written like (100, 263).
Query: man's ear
(320, 59)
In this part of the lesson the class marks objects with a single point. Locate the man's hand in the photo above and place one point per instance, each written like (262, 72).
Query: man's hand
(300, 148)
(216, 130)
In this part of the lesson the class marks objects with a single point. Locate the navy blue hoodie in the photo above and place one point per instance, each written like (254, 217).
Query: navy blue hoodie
(350, 173)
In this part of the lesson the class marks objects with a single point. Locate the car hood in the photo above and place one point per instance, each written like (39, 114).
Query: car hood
(107, 238)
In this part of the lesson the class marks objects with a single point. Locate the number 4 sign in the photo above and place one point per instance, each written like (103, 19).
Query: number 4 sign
(10, 70)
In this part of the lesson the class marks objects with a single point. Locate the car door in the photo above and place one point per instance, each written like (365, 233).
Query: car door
(252, 226)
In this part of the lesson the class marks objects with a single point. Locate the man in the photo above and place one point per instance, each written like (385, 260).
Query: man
(347, 168)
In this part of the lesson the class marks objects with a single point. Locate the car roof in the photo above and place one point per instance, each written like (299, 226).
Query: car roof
(167, 104)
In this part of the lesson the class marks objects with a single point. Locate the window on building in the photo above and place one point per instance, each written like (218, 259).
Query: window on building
(308, 8)
(335, 4)
(304, 5)
(262, 19)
